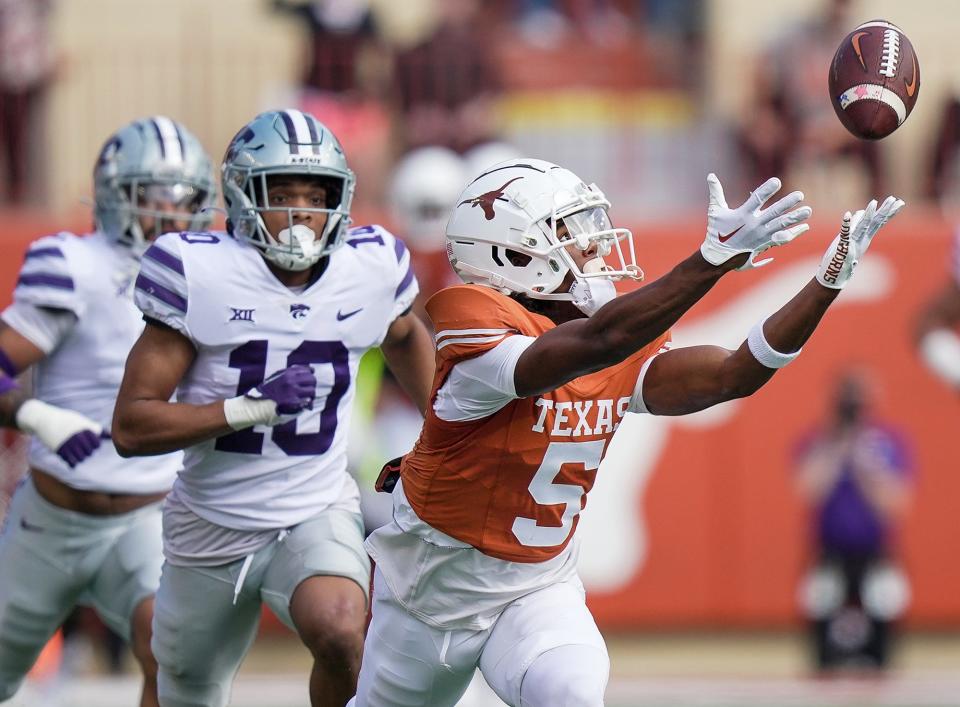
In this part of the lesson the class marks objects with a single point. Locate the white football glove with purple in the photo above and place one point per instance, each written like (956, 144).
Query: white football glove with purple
(750, 228)
(279, 398)
(856, 233)
(73, 436)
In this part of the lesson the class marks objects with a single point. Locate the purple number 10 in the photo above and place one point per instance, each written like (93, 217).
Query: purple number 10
(251, 360)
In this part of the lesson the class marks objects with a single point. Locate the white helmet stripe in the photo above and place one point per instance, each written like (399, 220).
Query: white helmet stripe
(299, 121)
(171, 147)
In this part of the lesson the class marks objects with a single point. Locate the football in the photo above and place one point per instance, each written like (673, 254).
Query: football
(874, 79)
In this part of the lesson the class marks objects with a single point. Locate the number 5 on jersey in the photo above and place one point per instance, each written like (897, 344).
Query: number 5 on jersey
(547, 492)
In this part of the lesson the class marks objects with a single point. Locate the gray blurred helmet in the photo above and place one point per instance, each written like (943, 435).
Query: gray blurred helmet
(151, 160)
(423, 191)
(294, 143)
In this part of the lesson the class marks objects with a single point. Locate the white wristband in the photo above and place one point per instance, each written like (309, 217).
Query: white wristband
(763, 352)
(940, 350)
(243, 412)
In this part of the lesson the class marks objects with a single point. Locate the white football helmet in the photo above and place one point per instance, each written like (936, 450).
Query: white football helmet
(503, 231)
(423, 189)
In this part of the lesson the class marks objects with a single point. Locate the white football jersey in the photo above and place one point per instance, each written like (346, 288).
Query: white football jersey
(92, 277)
(246, 325)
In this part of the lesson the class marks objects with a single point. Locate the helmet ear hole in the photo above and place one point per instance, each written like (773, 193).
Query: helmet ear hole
(518, 259)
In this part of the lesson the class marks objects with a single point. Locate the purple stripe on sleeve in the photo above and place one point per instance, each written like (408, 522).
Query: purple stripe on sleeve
(314, 138)
(158, 291)
(169, 261)
(7, 384)
(40, 279)
(405, 282)
(163, 147)
(399, 248)
(6, 365)
(48, 252)
(291, 133)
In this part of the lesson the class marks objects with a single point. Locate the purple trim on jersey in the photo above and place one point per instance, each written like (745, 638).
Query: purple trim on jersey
(168, 260)
(49, 251)
(405, 282)
(314, 138)
(291, 133)
(40, 279)
(163, 147)
(158, 291)
(6, 365)
(399, 248)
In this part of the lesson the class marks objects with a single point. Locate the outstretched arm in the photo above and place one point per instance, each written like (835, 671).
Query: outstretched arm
(735, 237)
(686, 380)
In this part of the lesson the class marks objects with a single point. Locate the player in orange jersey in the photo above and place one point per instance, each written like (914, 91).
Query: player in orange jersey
(538, 361)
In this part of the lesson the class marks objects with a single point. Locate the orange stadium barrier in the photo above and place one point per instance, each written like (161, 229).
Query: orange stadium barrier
(693, 521)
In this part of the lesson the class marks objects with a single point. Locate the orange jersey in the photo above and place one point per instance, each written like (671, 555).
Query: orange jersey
(512, 484)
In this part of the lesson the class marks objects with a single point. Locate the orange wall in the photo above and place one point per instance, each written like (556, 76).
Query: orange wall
(725, 535)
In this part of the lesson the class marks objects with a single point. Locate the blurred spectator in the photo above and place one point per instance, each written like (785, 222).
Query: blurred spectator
(446, 84)
(854, 474)
(938, 323)
(345, 85)
(27, 64)
(943, 180)
(790, 123)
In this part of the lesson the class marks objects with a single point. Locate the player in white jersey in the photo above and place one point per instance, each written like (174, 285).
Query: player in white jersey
(938, 327)
(84, 526)
(258, 333)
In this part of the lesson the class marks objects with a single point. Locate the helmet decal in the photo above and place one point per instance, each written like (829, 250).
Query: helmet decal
(485, 201)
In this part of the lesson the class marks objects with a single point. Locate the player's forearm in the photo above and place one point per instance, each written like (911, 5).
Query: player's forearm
(10, 402)
(785, 332)
(148, 427)
(632, 321)
(413, 362)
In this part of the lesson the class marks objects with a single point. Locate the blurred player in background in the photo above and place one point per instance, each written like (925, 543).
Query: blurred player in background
(538, 361)
(259, 333)
(84, 526)
(854, 473)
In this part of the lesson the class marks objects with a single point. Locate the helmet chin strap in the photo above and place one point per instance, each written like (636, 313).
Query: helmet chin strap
(589, 295)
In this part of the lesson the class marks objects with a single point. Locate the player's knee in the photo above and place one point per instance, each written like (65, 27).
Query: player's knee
(335, 642)
(566, 677)
(175, 691)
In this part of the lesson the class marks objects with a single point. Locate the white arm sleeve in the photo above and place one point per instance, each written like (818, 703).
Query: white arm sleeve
(478, 387)
(44, 327)
(637, 403)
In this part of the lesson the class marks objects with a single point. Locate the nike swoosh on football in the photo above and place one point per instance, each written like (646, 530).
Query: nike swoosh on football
(724, 239)
(30, 526)
(912, 86)
(341, 316)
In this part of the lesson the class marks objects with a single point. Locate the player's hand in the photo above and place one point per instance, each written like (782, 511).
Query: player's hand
(856, 233)
(292, 389)
(73, 436)
(750, 228)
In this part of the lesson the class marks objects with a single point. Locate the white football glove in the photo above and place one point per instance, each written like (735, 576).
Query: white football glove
(856, 233)
(750, 228)
(72, 435)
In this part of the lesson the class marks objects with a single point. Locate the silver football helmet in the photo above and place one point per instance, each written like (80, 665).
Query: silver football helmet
(515, 225)
(294, 143)
(156, 170)
(423, 188)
